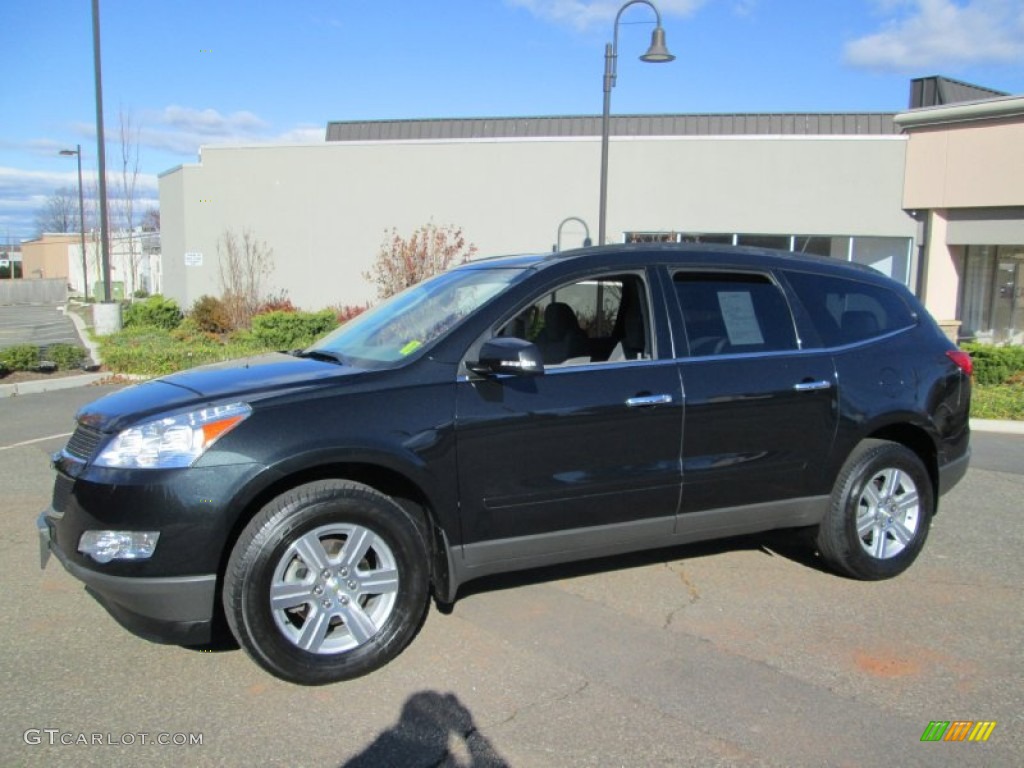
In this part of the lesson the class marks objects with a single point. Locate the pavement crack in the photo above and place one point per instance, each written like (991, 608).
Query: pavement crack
(557, 700)
(692, 593)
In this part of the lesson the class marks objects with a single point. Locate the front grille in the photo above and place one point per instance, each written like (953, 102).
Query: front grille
(84, 442)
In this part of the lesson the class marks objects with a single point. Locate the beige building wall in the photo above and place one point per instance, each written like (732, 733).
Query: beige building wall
(978, 164)
(324, 209)
(965, 178)
(47, 256)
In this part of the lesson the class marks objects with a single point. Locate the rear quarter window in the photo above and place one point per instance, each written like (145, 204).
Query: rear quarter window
(848, 311)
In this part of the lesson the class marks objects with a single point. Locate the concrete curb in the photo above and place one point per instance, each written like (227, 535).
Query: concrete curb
(83, 334)
(1000, 427)
(47, 385)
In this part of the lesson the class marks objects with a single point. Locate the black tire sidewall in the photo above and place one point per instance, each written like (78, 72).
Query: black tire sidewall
(252, 566)
(862, 468)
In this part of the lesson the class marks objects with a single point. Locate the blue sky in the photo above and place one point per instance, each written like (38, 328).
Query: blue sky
(190, 73)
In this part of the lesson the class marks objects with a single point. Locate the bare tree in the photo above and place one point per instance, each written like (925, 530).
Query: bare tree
(128, 135)
(151, 220)
(243, 262)
(60, 212)
(429, 251)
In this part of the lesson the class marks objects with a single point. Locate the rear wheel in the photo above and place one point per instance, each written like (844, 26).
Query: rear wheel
(328, 582)
(880, 512)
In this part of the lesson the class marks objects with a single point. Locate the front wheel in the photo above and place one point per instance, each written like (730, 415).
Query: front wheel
(880, 512)
(328, 582)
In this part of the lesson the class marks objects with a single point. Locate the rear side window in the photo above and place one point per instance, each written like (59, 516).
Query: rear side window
(732, 314)
(847, 311)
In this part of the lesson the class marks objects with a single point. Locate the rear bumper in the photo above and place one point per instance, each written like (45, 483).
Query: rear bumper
(953, 472)
(176, 609)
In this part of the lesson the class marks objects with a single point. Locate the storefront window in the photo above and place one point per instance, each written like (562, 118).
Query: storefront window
(992, 294)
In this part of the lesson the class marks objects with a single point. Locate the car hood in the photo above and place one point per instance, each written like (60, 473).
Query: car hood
(243, 379)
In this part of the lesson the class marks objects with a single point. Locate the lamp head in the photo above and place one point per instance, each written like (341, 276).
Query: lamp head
(658, 52)
(68, 152)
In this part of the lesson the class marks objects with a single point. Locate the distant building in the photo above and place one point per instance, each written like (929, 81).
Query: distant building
(855, 186)
(10, 261)
(134, 262)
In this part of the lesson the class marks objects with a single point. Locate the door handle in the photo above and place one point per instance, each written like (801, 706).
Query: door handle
(812, 386)
(646, 400)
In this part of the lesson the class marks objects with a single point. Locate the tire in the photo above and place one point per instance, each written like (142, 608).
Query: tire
(328, 582)
(880, 512)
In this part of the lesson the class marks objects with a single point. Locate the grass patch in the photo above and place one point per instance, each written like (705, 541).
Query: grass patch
(1005, 401)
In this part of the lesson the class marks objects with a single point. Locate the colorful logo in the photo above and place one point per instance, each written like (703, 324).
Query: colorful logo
(958, 730)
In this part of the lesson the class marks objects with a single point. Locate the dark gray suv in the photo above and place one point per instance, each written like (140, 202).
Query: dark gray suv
(512, 413)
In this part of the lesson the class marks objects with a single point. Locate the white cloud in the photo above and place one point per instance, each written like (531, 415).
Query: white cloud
(175, 129)
(942, 33)
(583, 14)
(182, 130)
(18, 182)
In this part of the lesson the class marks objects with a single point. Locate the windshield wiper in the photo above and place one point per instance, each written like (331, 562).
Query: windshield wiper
(321, 354)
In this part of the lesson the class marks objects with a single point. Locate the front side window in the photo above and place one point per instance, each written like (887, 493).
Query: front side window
(847, 311)
(731, 313)
(410, 321)
(600, 319)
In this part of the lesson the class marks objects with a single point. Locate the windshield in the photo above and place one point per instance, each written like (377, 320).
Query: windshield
(411, 320)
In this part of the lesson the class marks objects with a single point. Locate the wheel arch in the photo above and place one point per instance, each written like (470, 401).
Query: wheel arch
(918, 440)
(385, 479)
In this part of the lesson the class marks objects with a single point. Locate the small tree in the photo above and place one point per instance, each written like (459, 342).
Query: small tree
(151, 220)
(244, 263)
(129, 137)
(429, 251)
(59, 212)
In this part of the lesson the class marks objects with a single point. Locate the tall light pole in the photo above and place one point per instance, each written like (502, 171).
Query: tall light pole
(101, 152)
(77, 152)
(657, 53)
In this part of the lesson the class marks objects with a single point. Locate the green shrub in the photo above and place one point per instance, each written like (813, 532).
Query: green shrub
(154, 312)
(21, 357)
(211, 315)
(290, 330)
(190, 332)
(995, 365)
(67, 356)
(155, 352)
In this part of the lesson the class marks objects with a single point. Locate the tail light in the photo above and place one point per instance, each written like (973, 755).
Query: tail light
(962, 359)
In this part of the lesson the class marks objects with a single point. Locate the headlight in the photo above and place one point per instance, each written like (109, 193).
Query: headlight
(173, 441)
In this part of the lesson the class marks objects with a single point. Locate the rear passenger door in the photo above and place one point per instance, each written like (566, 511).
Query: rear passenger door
(760, 413)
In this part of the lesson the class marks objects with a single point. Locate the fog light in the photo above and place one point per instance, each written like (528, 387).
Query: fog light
(104, 546)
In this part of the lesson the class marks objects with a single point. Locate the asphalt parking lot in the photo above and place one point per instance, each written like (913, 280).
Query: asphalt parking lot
(39, 324)
(737, 653)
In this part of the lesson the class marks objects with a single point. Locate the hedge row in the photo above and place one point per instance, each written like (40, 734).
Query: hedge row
(26, 357)
(995, 365)
(154, 351)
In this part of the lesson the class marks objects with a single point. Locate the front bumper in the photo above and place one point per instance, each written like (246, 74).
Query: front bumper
(175, 609)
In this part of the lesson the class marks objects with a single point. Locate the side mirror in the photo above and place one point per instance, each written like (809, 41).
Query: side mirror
(508, 355)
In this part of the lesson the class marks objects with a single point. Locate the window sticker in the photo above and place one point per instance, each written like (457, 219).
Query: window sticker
(740, 320)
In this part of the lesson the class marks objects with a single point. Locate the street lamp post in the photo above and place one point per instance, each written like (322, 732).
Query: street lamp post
(77, 152)
(101, 152)
(566, 220)
(657, 53)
